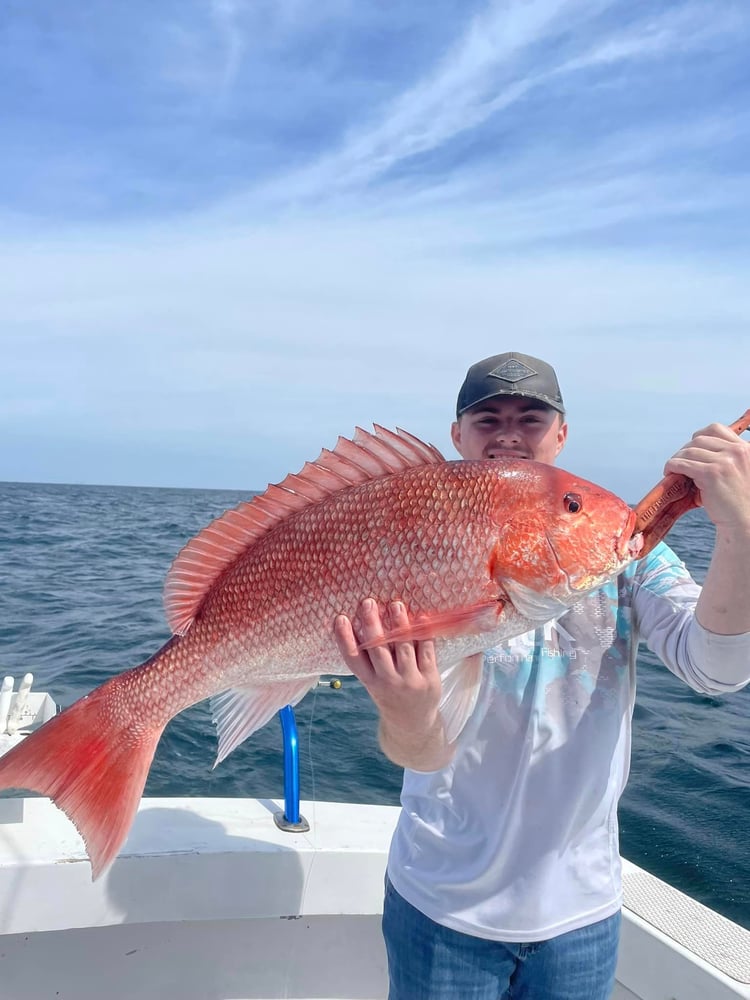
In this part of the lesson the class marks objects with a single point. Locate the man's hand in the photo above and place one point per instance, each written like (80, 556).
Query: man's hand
(718, 462)
(403, 680)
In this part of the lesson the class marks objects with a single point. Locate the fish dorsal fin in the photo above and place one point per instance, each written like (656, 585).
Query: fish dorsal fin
(202, 561)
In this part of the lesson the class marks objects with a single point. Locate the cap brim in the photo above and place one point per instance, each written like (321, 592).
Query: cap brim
(545, 400)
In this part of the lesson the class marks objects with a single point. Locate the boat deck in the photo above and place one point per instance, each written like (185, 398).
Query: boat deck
(209, 900)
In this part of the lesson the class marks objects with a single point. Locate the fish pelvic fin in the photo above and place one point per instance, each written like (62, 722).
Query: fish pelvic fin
(239, 712)
(91, 766)
(369, 455)
(461, 683)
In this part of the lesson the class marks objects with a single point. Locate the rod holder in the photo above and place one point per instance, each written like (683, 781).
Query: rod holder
(290, 819)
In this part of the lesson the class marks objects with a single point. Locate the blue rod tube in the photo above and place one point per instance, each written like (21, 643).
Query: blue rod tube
(291, 764)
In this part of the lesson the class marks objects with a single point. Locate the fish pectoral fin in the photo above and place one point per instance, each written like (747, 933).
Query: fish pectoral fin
(460, 690)
(238, 712)
(469, 620)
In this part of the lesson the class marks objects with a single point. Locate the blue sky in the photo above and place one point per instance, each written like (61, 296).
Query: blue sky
(230, 231)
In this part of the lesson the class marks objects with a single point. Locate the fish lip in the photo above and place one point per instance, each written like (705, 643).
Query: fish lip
(635, 544)
(629, 542)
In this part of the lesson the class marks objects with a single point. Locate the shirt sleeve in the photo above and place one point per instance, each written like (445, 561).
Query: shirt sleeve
(664, 600)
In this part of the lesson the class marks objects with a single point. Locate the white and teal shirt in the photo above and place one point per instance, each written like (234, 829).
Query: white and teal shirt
(517, 838)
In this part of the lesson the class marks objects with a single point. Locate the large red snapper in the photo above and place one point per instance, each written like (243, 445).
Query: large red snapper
(478, 552)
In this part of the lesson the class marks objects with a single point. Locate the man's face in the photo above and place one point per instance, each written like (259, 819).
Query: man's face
(510, 426)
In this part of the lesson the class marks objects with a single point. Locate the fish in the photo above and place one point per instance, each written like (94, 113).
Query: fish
(478, 551)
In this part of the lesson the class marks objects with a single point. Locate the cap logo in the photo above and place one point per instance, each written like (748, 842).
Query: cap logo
(512, 370)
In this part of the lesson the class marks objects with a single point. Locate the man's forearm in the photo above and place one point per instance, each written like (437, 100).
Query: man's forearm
(425, 750)
(723, 606)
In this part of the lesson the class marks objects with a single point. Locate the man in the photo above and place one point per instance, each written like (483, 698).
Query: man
(504, 871)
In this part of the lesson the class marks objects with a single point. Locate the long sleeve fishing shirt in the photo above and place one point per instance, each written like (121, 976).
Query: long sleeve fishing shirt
(517, 838)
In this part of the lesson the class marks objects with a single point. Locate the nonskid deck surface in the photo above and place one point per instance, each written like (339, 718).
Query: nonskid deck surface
(709, 936)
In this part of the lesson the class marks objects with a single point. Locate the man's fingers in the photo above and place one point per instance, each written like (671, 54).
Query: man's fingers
(412, 658)
(377, 661)
(358, 663)
(404, 660)
(345, 638)
(371, 631)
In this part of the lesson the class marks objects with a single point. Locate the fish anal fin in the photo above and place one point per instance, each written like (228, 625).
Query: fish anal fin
(370, 455)
(238, 712)
(469, 620)
(461, 683)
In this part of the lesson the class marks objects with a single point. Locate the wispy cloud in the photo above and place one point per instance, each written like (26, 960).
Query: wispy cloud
(489, 71)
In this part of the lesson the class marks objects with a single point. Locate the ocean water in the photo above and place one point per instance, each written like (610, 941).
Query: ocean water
(81, 576)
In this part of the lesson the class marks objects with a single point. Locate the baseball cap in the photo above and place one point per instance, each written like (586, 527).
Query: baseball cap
(510, 374)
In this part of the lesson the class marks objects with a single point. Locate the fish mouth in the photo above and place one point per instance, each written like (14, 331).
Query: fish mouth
(635, 545)
(629, 543)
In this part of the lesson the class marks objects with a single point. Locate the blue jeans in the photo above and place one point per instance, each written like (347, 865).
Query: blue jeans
(427, 961)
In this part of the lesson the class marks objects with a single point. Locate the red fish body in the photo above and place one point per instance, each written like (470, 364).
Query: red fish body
(477, 551)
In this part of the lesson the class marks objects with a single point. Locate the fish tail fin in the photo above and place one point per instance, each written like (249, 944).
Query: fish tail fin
(92, 763)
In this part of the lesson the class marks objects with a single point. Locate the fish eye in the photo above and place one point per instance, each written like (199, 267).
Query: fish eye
(573, 502)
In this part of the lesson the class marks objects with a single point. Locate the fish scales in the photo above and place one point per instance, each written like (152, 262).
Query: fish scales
(259, 622)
